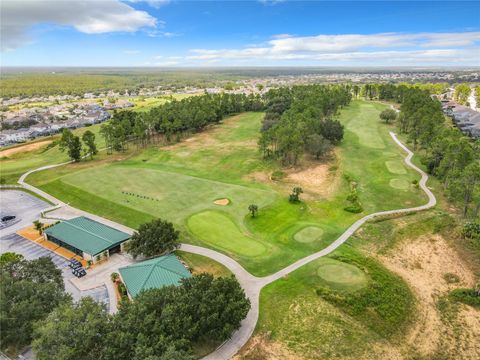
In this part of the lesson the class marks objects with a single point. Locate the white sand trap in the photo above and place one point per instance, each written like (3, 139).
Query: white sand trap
(222, 202)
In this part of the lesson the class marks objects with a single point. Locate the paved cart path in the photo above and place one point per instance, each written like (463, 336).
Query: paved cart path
(250, 283)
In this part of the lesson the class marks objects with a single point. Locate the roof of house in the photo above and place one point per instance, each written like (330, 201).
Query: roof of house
(87, 235)
(153, 273)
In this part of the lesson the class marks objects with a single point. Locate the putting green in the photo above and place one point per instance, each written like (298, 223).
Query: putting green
(308, 234)
(218, 230)
(400, 184)
(341, 276)
(395, 167)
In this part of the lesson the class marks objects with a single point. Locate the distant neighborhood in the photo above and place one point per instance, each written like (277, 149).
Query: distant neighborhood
(24, 118)
(465, 118)
(27, 123)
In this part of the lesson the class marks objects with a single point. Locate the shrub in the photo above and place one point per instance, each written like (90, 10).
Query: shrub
(114, 276)
(467, 296)
(294, 197)
(278, 175)
(355, 208)
(122, 289)
(451, 278)
(471, 230)
(353, 197)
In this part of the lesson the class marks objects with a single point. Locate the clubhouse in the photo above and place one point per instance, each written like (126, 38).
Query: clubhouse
(87, 238)
(153, 273)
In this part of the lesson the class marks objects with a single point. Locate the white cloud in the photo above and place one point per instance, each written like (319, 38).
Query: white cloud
(398, 48)
(87, 16)
(159, 33)
(153, 3)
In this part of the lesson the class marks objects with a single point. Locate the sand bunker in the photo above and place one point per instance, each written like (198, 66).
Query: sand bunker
(222, 202)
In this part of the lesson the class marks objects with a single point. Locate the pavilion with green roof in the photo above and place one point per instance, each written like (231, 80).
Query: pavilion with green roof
(86, 237)
(154, 273)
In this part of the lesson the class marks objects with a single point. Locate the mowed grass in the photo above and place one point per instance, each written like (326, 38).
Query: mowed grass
(199, 264)
(218, 230)
(340, 275)
(180, 182)
(12, 167)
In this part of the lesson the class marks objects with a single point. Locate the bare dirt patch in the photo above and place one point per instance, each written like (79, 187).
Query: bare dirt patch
(423, 263)
(24, 148)
(262, 347)
(222, 202)
(317, 179)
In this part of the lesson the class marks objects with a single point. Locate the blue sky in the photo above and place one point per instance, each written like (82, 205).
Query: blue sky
(239, 33)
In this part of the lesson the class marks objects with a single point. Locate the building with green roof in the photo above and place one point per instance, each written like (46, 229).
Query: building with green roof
(154, 273)
(87, 238)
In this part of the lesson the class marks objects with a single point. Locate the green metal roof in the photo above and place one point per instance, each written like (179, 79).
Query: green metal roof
(87, 235)
(153, 273)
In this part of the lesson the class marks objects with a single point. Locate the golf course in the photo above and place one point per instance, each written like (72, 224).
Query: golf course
(182, 183)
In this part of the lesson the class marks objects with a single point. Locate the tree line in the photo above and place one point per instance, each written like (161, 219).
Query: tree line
(173, 119)
(300, 119)
(450, 156)
(161, 324)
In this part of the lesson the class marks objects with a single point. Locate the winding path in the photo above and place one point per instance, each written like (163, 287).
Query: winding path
(252, 284)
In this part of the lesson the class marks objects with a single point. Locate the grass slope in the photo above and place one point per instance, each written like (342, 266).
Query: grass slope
(11, 168)
(354, 306)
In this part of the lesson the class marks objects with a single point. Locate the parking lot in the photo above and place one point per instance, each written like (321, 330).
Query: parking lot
(25, 207)
(30, 251)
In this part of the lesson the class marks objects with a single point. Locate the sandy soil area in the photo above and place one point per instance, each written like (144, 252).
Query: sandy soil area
(317, 179)
(423, 263)
(262, 347)
(24, 148)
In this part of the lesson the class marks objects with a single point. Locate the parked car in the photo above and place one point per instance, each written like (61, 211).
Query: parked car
(8, 218)
(75, 266)
(79, 272)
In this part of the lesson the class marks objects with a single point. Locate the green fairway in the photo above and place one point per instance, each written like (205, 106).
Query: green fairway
(341, 276)
(395, 167)
(308, 234)
(180, 183)
(400, 184)
(216, 229)
(168, 195)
